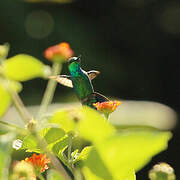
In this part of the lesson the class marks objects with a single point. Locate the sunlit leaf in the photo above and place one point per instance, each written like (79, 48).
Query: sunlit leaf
(64, 119)
(58, 149)
(54, 175)
(60, 145)
(23, 67)
(131, 149)
(5, 150)
(53, 134)
(96, 168)
(30, 144)
(5, 98)
(93, 126)
(122, 153)
(83, 155)
(89, 175)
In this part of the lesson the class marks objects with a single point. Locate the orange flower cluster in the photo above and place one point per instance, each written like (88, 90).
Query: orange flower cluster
(59, 52)
(107, 107)
(39, 162)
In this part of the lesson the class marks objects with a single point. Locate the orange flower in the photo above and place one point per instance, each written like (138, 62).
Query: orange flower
(59, 52)
(107, 107)
(39, 162)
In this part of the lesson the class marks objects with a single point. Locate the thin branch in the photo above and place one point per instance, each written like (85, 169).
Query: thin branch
(11, 125)
(19, 105)
(69, 148)
(43, 145)
(49, 93)
(55, 162)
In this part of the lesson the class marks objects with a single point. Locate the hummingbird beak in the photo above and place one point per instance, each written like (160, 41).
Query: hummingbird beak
(79, 58)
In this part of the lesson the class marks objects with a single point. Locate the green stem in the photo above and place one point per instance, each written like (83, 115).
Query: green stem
(20, 106)
(43, 145)
(69, 148)
(40, 176)
(106, 115)
(55, 162)
(11, 125)
(50, 89)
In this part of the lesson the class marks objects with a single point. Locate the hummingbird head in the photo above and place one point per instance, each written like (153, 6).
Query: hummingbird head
(74, 63)
(75, 60)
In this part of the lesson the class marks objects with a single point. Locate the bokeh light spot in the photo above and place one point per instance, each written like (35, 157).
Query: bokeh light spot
(39, 24)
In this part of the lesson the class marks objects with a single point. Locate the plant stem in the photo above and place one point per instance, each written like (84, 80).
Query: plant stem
(40, 176)
(55, 162)
(69, 148)
(50, 89)
(11, 125)
(20, 106)
(43, 145)
(106, 116)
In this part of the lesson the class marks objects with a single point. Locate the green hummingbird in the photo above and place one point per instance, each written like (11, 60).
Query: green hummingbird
(80, 81)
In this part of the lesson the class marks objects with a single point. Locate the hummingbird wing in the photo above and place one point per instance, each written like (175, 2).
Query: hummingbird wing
(92, 74)
(63, 79)
(66, 80)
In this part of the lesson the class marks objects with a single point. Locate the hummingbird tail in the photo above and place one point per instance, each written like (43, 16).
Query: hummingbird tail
(93, 98)
(99, 97)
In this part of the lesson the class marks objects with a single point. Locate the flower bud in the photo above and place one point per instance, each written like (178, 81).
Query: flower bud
(162, 171)
(59, 53)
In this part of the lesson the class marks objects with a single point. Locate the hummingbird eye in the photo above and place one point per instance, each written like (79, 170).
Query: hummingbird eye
(74, 59)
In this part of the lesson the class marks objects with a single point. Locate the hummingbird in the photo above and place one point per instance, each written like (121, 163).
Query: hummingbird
(80, 81)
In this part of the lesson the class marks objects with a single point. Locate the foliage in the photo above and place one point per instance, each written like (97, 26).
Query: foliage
(107, 154)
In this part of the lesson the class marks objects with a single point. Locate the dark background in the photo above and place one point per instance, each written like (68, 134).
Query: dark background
(134, 43)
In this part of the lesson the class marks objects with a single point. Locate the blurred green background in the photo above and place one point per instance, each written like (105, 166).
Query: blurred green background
(135, 44)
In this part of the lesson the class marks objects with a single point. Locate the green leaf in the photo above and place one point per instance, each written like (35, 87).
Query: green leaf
(30, 144)
(95, 163)
(89, 175)
(60, 145)
(58, 149)
(5, 100)
(122, 153)
(5, 151)
(53, 134)
(83, 155)
(64, 119)
(4, 95)
(131, 149)
(93, 126)
(23, 67)
(97, 168)
(54, 175)
(55, 138)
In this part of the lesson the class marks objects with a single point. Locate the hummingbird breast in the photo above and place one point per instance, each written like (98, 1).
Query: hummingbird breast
(82, 85)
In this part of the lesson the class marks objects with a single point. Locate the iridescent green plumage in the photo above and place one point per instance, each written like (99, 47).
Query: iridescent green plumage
(80, 81)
